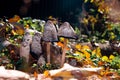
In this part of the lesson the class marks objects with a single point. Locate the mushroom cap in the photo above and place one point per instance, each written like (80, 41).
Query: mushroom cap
(50, 32)
(66, 31)
(27, 37)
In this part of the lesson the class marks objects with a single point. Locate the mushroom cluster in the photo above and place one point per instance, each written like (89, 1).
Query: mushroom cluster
(50, 34)
(32, 44)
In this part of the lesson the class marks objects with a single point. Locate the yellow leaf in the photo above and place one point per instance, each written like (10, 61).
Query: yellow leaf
(78, 46)
(94, 52)
(112, 36)
(101, 10)
(50, 17)
(81, 55)
(102, 73)
(107, 9)
(48, 64)
(85, 47)
(88, 62)
(92, 19)
(13, 32)
(111, 57)
(98, 52)
(77, 52)
(16, 18)
(46, 73)
(19, 30)
(109, 27)
(27, 26)
(87, 55)
(105, 58)
(61, 39)
(85, 21)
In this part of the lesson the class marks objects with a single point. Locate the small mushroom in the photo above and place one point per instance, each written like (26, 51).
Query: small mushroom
(66, 31)
(25, 46)
(36, 48)
(25, 51)
(49, 35)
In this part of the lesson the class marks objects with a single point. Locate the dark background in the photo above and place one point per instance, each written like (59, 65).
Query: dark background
(67, 10)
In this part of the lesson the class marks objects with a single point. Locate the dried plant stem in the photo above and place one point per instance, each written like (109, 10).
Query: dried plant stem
(64, 52)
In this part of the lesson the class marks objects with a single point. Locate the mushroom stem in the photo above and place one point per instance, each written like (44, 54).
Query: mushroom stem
(64, 52)
(48, 52)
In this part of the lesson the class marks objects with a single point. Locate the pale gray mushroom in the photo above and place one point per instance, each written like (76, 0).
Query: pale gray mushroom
(25, 51)
(50, 32)
(49, 35)
(66, 31)
(36, 49)
(25, 46)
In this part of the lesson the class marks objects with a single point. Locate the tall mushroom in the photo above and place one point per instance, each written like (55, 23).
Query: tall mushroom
(66, 31)
(25, 46)
(49, 35)
(25, 50)
(36, 48)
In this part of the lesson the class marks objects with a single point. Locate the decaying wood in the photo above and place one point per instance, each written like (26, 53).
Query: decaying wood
(68, 67)
(12, 74)
(69, 72)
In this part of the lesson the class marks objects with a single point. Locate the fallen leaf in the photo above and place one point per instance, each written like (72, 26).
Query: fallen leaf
(16, 18)
(35, 74)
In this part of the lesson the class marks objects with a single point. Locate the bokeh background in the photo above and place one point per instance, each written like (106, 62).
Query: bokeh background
(66, 10)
